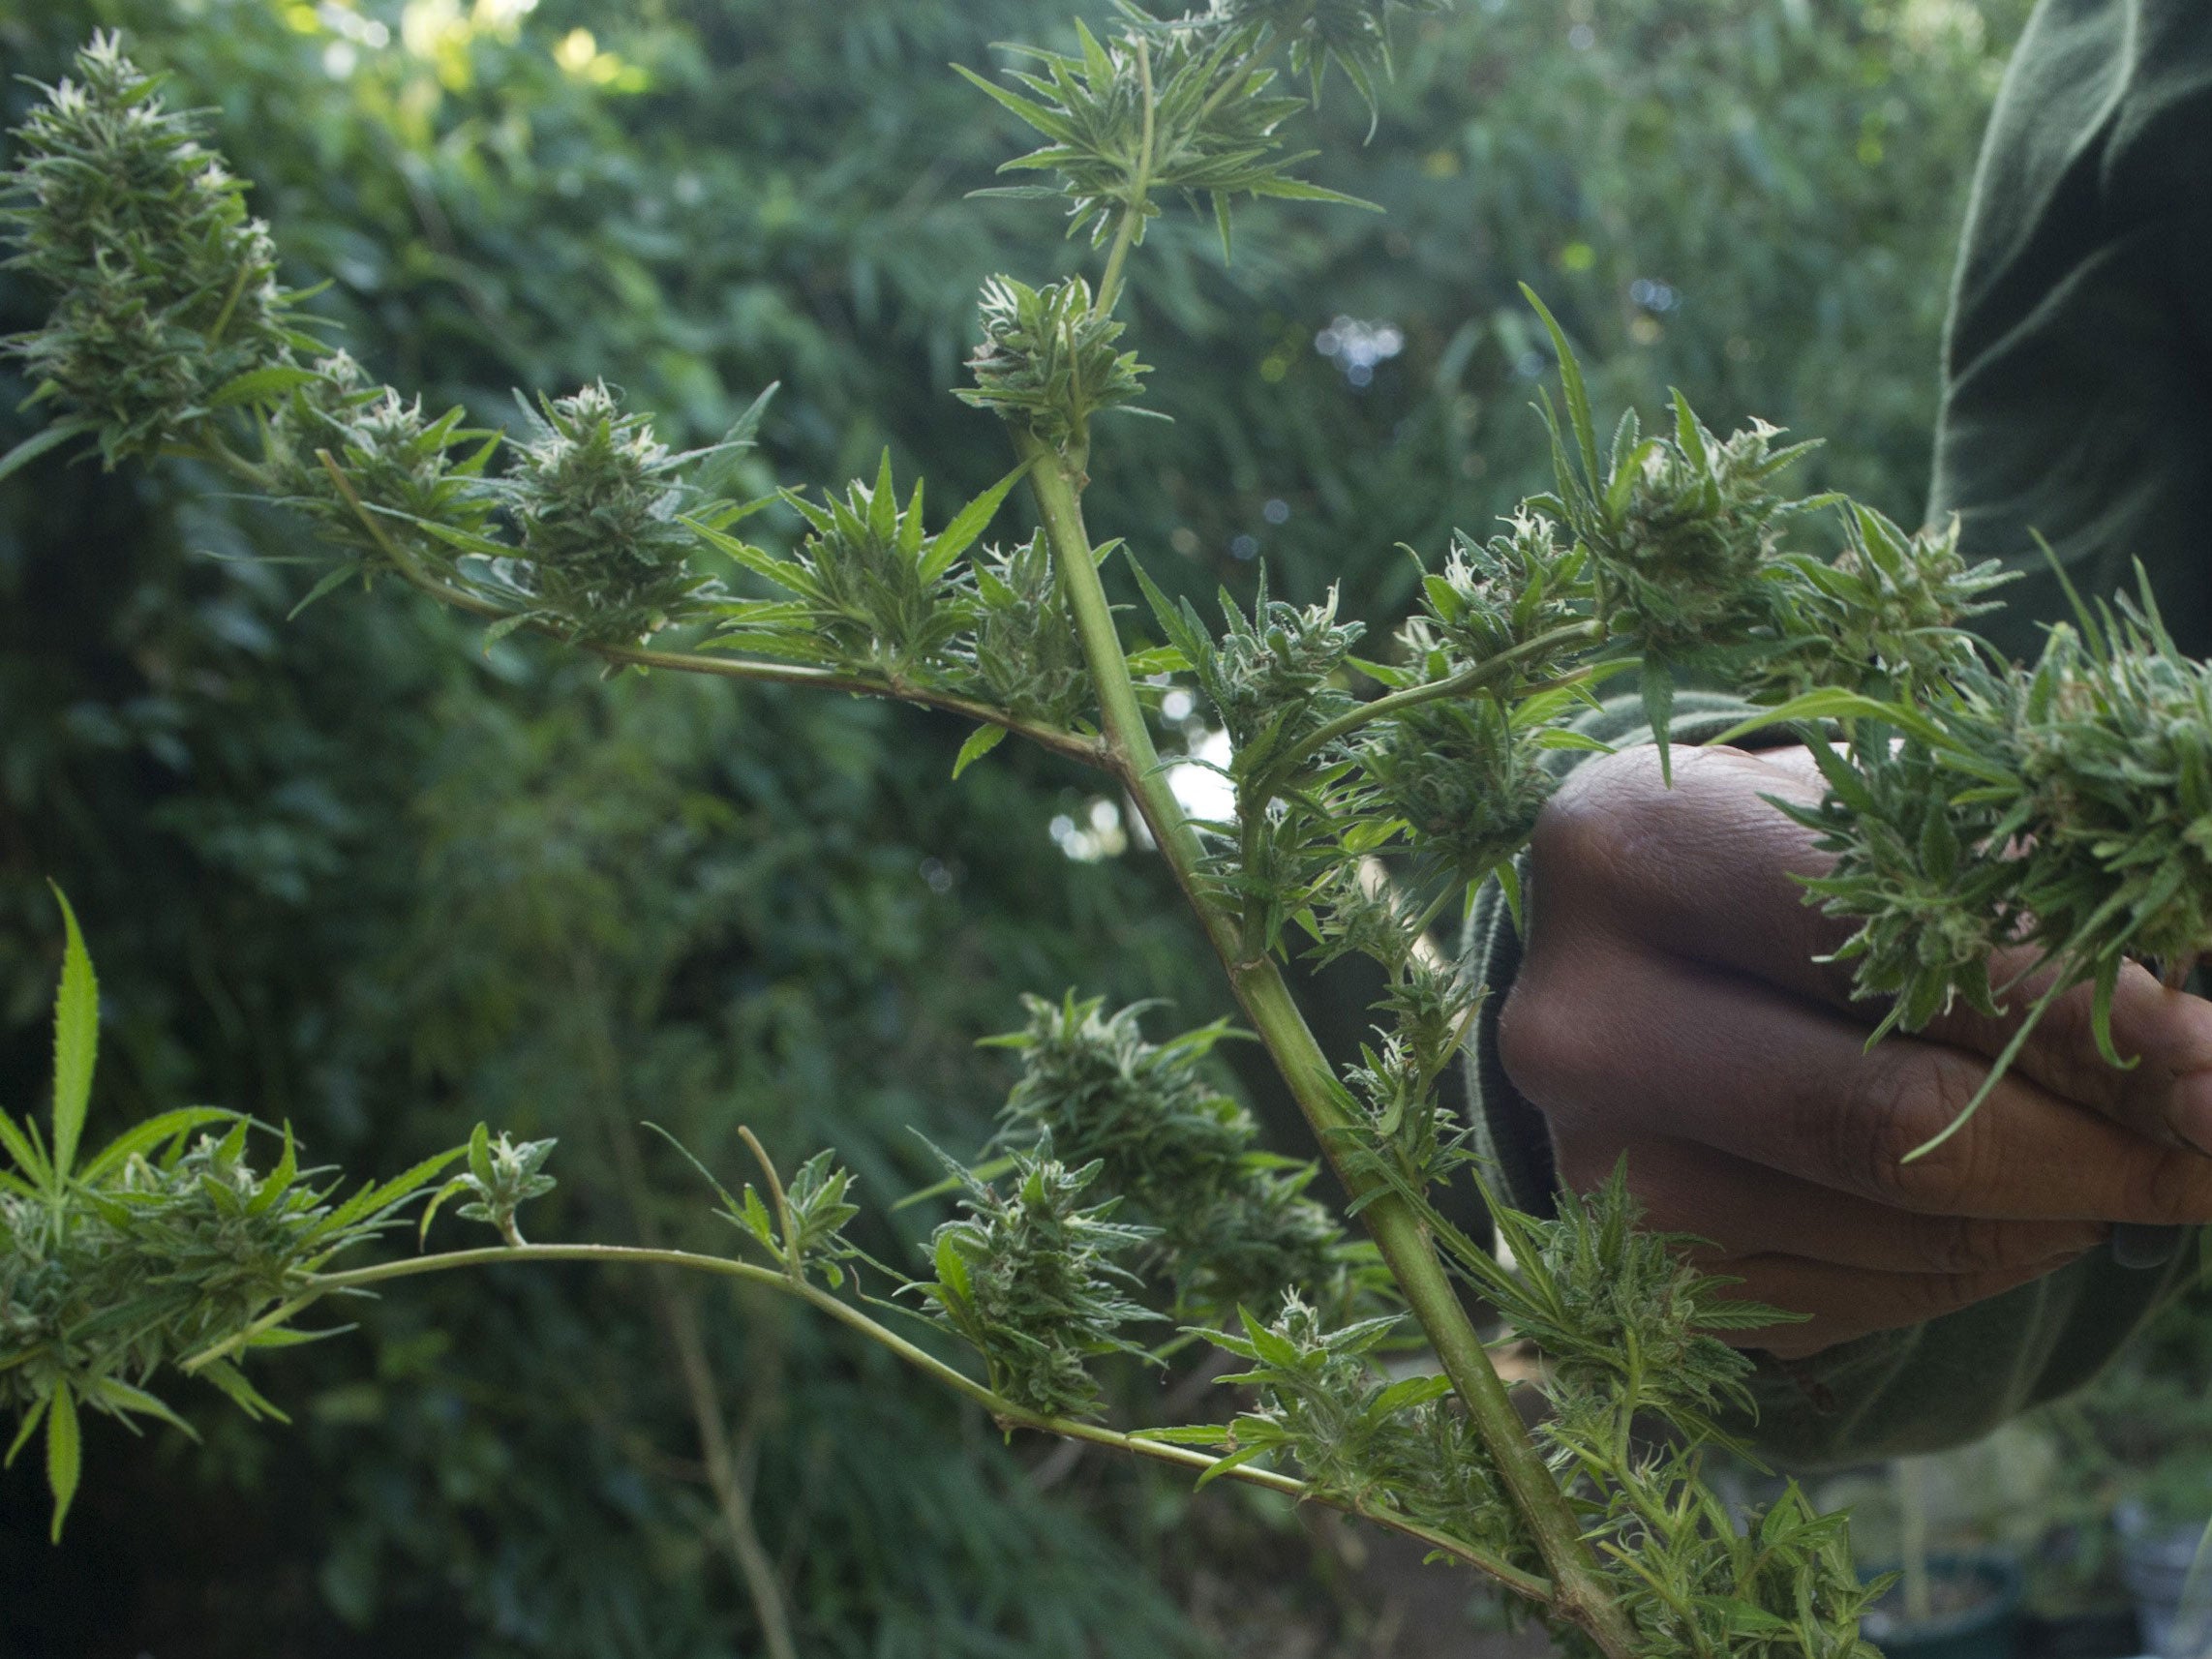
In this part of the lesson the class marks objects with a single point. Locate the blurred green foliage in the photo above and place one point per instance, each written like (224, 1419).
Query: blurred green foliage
(355, 871)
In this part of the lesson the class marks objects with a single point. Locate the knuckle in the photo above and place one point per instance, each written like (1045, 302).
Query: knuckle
(1903, 1098)
(1968, 1244)
(2169, 1187)
(1601, 820)
(1530, 1034)
(1933, 1295)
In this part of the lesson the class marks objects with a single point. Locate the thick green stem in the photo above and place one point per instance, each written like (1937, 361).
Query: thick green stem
(1579, 1591)
(1004, 1410)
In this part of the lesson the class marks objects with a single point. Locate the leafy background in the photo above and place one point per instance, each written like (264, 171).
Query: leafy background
(355, 871)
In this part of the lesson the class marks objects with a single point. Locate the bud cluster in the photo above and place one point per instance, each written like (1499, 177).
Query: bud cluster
(1885, 616)
(1494, 595)
(169, 292)
(1049, 362)
(1401, 1447)
(2064, 809)
(402, 473)
(1026, 652)
(1164, 107)
(595, 498)
(1029, 1279)
(1230, 1224)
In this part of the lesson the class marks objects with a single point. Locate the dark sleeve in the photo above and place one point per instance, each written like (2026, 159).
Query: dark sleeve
(2078, 387)
(1892, 1393)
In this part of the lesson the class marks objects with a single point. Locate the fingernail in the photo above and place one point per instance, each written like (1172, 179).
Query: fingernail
(2190, 1116)
(2139, 1246)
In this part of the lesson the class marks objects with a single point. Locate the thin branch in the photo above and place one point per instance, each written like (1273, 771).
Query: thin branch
(680, 1318)
(1004, 1411)
(1073, 745)
(1480, 677)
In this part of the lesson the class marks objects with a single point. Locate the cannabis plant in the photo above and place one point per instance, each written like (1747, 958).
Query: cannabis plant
(2058, 811)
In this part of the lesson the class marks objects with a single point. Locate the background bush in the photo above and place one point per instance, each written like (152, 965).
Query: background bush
(355, 871)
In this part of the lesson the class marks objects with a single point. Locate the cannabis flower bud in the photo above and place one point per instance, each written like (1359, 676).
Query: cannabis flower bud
(2114, 735)
(1027, 1276)
(595, 498)
(1492, 596)
(1231, 1225)
(1467, 784)
(1049, 362)
(1928, 880)
(402, 473)
(1027, 653)
(1885, 615)
(168, 290)
(1686, 551)
(1275, 668)
(1354, 34)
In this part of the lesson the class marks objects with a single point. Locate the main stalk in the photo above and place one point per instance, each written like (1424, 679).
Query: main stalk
(1579, 1592)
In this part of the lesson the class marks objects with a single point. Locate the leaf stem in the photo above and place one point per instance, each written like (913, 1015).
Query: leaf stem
(1579, 1592)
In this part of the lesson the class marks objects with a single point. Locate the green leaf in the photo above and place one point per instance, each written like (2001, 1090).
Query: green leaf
(23, 1432)
(990, 1169)
(1411, 1391)
(119, 1395)
(76, 1043)
(730, 1204)
(332, 580)
(26, 1153)
(39, 442)
(1658, 688)
(243, 1394)
(721, 465)
(65, 1454)
(480, 1153)
(1571, 381)
(261, 386)
(1194, 1434)
(981, 742)
(1298, 190)
(1052, 126)
(144, 1136)
(1235, 1460)
(970, 523)
(374, 1201)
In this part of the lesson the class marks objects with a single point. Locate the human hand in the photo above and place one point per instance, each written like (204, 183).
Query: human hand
(1669, 1007)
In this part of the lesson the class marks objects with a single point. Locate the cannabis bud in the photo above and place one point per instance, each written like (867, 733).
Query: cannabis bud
(1353, 34)
(1885, 616)
(502, 1176)
(1687, 547)
(1049, 361)
(1492, 596)
(1231, 1225)
(408, 479)
(595, 498)
(1028, 1278)
(1466, 783)
(2114, 732)
(1278, 665)
(1027, 653)
(1398, 1447)
(168, 290)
